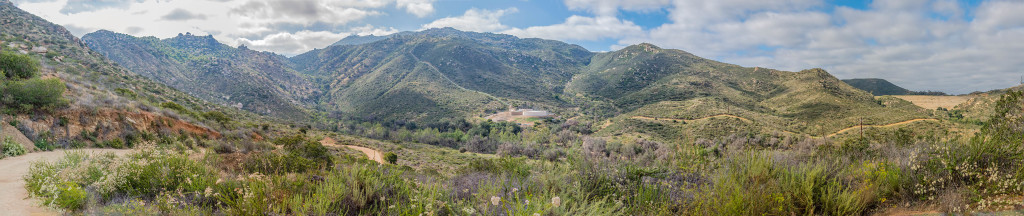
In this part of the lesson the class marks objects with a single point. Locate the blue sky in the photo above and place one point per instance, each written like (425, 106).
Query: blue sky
(957, 46)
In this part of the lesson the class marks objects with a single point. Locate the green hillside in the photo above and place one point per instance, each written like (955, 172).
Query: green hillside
(449, 73)
(260, 82)
(877, 87)
(658, 90)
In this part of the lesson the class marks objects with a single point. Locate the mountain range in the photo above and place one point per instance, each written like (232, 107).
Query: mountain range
(447, 74)
(260, 82)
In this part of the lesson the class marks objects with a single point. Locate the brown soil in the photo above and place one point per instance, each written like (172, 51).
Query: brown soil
(370, 153)
(14, 199)
(108, 124)
(17, 137)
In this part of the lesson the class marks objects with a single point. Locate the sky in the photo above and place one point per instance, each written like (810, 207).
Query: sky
(955, 46)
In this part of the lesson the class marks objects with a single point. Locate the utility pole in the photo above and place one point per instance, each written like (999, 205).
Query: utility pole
(861, 128)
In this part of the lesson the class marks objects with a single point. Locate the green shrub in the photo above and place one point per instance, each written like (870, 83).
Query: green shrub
(35, 93)
(70, 197)
(16, 66)
(174, 106)
(166, 172)
(43, 144)
(391, 158)
(751, 184)
(276, 163)
(217, 116)
(308, 156)
(141, 175)
(513, 166)
(113, 143)
(125, 92)
(11, 149)
(313, 151)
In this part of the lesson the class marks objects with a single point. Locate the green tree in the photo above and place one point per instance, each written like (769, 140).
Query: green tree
(16, 66)
(391, 158)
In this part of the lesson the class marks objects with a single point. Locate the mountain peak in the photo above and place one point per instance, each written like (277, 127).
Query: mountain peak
(196, 41)
(877, 86)
(648, 46)
(189, 35)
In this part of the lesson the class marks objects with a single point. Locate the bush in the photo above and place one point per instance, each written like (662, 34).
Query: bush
(114, 143)
(125, 92)
(391, 158)
(752, 183)
(145, 175)
(300, 158)
(11, 149)
(176, 107)
(70, 197)
(43, 144)
(16, 66)
(276, 163)
(35, 93)
(217, 116)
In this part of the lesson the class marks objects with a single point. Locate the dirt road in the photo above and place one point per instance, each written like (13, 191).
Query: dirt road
(880, 126)
(370, 153)
(14, 199)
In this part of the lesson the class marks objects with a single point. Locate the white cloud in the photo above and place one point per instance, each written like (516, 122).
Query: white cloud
(180, 14)
(581, 28)
(611, 7)
(372, 30)
(918, 44)
(290, 44)
(420, 8)
(301, 12)
(478, 20)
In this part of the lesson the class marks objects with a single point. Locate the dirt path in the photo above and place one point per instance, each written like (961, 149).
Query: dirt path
(370, 153)
(14, 199)
(880, 126)
(690, 120)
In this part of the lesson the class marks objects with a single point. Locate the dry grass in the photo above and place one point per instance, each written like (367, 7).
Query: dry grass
(932, 102)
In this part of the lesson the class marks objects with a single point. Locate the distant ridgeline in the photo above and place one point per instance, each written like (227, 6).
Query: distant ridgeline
(445, 74)
(880, 87)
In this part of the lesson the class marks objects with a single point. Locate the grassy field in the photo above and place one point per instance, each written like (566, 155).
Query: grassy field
(933, 102)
